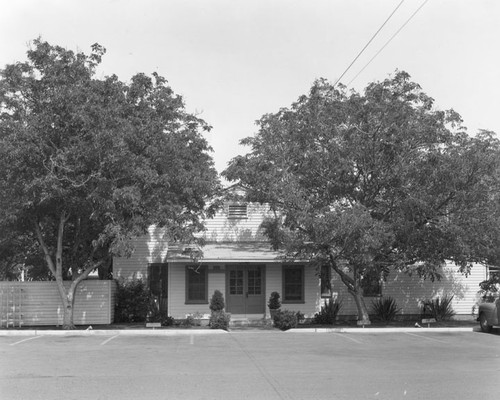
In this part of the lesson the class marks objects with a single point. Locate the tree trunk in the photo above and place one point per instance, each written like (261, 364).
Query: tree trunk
(353, 287)
(69, 303)
(67, 296)
(363, 317)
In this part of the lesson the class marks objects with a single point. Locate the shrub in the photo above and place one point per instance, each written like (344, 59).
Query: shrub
(440, 309)
(217, 302)
(189, 321)
(385, 309)
(274, 301)
(328, 313)
(285, 320)
(219, 320)
(300, 317)
(156, 315)
(132, 301)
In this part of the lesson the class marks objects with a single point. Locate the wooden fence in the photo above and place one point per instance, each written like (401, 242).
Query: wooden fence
(39, 303)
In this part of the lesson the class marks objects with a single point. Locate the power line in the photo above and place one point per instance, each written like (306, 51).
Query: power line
(389, 41)
(373, 37)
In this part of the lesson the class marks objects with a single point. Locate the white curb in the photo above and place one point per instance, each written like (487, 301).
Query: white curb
(112, 332)
(379, 330)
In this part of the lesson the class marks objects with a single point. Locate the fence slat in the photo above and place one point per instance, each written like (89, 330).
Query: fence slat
(41, 304)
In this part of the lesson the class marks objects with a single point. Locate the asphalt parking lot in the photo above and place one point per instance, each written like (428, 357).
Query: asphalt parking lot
(252, 365)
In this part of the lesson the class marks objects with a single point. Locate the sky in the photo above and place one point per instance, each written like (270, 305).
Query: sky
(234, 61)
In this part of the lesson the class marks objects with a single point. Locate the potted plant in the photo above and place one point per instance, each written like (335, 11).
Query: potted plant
(274, 304)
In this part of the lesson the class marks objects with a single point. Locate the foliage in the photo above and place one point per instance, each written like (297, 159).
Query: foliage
(193, 319)
(20, 256)
(374, 181)
(328, 313)
(385, 309)
(220, 320)
(490, 287)
(87, 163)
(300, 317)
(155, 314)
(189, 321)
(492, 284)
(274, 301)
(132, 301)
(439, 308)
(217, 301)
(285, 319)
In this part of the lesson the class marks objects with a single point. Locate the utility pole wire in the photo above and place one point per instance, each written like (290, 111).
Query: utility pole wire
(389, 41)
(373, 37)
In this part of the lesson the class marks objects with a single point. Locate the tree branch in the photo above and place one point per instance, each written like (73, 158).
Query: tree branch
(86, 272)
(45, 249)
(60, 233)
(346, 279)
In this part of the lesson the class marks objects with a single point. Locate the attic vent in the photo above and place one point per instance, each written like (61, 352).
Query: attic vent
(237, 211)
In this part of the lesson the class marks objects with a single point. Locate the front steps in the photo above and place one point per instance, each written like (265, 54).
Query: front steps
(249, 321)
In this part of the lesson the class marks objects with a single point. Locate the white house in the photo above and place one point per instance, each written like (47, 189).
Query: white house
(238, 260)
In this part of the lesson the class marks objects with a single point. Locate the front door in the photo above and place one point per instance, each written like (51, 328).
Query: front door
(245, 289)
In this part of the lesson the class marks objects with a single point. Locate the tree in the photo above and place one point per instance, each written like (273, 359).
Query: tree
(20, 258)
(374, 181)
(87, 163)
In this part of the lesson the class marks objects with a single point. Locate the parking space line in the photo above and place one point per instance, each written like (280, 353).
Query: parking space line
(109, 339)
(25, 340)
(425, 337)
(347, 337)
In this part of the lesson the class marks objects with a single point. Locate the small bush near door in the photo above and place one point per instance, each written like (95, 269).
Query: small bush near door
(274, 302)
(218, 318)
(217, 302)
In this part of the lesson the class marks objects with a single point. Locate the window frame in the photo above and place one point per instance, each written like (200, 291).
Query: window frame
(203, 270)
(284, 284)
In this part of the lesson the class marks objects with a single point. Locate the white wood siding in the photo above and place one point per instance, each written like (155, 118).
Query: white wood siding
(177, 306)
(223, 229)
(153, 247)
(150, 248)
(177, 291)
(41, 304)
(409, 291)
(274, 274)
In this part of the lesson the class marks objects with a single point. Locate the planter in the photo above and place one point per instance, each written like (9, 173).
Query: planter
(273, 312)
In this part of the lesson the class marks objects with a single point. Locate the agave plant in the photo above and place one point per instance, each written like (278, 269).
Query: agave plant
(439, 308)
(385, 308)
(329, 311)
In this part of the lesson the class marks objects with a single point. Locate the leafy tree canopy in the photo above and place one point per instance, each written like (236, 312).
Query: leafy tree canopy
(87, 163)
(374, 181)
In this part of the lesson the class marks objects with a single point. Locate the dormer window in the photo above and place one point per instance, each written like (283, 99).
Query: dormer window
(237, 211)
